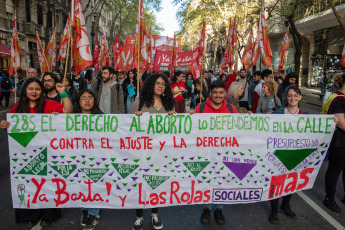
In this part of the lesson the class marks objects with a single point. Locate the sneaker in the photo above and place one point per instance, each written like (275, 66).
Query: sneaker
(44, 223)
(287, 211)
(206, 216)
(331, 205)
(156, 222)
(84, 217)
(92, 222)
(273, 218)
(138, 224)
(218, 216)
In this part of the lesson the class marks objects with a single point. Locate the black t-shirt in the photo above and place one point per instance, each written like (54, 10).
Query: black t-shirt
(338, 140)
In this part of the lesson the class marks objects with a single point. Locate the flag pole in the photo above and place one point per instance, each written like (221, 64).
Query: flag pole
(15, 72)
(201, 72)
(71, 22)
(139, 31)
(67, 52)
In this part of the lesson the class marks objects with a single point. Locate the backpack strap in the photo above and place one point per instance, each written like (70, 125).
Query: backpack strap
(202, 107)
(230, 107)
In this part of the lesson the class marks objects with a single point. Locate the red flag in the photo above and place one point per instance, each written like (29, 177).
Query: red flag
(15, 51)
(41, 57)
(228, 58)
(285, 46)
(264, 44)
(248, 52)
(140, 38)
(197, 57)
(64, 42)
(342, 60)
(81, 47)
(95, 55)
(117, 55)
(50, 51)
(107, 58)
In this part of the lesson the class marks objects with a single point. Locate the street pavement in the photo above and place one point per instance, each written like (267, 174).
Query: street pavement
(311, 214)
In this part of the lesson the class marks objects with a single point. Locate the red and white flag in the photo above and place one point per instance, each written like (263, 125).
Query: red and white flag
(248, 52)
(117, 54)
(44, 66)
(342, 60)
(15, 51)
(228, 58)
(283, 49)
(81, 46)
(264, 44)
(140, 38)
(64, 41)
(107, 57)
(50, 52)
(103, 50)
(197, 56)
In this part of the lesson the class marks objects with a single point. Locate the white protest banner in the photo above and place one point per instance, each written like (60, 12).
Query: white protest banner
(156, 160)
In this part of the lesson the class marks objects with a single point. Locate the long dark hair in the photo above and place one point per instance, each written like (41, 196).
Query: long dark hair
(146, 96)
(95, 109)
(23, 103)
(176, 74)
(287, 78)
(127, 81)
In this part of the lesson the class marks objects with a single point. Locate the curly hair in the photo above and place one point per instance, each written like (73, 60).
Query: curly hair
(339, 79)
(146, 96)
(272, 87)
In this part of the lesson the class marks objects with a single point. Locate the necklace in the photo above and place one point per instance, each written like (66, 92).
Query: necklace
(291, 112)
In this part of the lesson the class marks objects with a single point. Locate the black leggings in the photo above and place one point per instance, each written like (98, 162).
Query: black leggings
(275, 203)
(140, 212)
(335, 166)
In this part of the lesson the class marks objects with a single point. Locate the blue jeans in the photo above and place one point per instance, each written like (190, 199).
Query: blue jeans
(216, 206)
(92, 211)
(129, 104)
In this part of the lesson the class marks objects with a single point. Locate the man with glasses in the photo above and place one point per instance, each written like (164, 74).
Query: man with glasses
(49, 80)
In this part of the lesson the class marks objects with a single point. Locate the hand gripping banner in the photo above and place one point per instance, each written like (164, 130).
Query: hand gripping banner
(156, 160)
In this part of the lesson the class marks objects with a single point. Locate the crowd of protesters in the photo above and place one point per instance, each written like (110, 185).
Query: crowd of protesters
(115, 92)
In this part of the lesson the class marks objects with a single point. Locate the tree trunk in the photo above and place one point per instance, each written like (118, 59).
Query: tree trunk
(298, 41)
(339, 17)
(215, 53)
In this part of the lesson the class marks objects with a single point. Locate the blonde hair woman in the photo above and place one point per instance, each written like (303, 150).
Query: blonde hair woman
(269, 102)
(234, 94)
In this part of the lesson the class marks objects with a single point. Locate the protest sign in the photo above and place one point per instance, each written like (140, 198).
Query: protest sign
(184, 61)
(156, 160)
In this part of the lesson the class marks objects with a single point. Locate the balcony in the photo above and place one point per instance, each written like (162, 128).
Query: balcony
(30, 28)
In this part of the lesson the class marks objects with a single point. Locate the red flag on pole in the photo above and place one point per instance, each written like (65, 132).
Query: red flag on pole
(64, 42)
(15, 50)
(264, 44)
(197, 57)
(248, 52)
(117, 55)
(44, 66)
(228, 58)
(285, 46)
(50, 51)
(140, 38)
(173, 59)
(107, 57)
(81, 46)
(342, 60)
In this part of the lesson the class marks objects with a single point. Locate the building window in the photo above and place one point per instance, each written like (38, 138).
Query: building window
(49, 19)
(27, 11)
(39, 14)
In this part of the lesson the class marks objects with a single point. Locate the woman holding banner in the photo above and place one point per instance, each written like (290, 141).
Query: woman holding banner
(336, 103)
(293, 97)
(86, 103)
(156, 97)
(32, 100)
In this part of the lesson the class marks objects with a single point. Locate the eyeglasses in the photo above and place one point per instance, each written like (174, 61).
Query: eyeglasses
(86, 98)
(160, 84)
